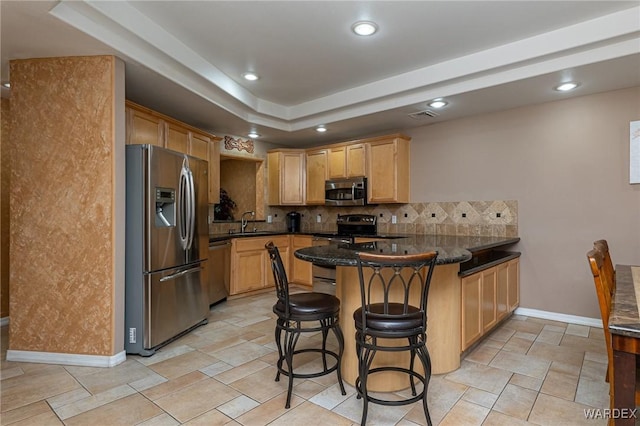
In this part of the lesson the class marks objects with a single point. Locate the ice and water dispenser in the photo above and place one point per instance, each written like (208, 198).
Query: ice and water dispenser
(165, 207)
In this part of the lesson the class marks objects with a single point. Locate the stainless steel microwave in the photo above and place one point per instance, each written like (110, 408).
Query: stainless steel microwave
(346, 192)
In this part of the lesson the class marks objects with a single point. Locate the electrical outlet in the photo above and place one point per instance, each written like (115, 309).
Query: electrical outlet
(269, 219)
(132, 335)
(394, 219)
(319, 218)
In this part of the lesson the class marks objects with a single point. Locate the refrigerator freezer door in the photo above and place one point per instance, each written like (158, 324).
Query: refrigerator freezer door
(174, 301)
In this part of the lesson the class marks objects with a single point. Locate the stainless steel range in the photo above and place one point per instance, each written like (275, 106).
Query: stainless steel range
(349, 227)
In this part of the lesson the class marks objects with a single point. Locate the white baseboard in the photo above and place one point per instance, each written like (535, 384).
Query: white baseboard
(66, 359)
(555, 316)
(4, 321)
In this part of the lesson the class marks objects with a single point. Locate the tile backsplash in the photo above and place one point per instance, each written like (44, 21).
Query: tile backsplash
(495, 218)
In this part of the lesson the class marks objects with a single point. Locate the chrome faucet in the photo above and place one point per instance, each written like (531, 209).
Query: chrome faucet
(244, 222)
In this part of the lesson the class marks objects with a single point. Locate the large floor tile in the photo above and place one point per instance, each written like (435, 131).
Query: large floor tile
(196, 399)
(267, 412)
(125, 411)
(309, 414)
(37, 409)
(260, 385)
(465, 413)
(515, 402)
(183, 364)
(526, 365)
(550, 410)
(106, 378)
(480, 376)
(36, 384)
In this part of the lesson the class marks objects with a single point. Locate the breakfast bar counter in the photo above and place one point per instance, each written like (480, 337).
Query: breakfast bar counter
(443, 309)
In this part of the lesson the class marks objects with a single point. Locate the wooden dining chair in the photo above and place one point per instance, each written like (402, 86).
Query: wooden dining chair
(605, 285)
(603, 246)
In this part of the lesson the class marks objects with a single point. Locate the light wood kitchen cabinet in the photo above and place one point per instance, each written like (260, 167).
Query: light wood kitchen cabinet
(301, 270)
(316, 167)
(513, 294)
(488, 288)
(487, 297)
(356, 160)
(177, 138)
(145, 126)
(214, 170)
(388, 167)
(207, 148)
(347, 161)
(286, 177)
(250, 264)
(471, 309)
(502, 290)
(199, 145)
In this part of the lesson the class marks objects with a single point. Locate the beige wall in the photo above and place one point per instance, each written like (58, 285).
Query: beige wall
(67, 150)
(4, 209)
(567, 165)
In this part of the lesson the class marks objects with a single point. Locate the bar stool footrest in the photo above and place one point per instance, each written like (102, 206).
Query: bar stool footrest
(410, 373)
(331, 369)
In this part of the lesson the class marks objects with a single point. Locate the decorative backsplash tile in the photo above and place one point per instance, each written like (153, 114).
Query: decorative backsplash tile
(498, 218)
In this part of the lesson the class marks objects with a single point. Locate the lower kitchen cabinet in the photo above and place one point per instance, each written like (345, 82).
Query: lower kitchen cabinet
(488, 296)
(301, 270)
(250, 264)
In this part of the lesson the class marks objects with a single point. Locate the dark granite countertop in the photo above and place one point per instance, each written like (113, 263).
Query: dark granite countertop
(451, 249)
(624, 319)
(226, 236)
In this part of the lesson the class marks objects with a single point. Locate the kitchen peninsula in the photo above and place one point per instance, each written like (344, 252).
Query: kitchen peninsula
(447, 314)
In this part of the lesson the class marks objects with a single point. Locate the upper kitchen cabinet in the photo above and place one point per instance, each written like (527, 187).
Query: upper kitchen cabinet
(145, 126)
(316, 175)
(388, 165)
(177, 138)
(347, 161)
(286, 177)
(214, 170)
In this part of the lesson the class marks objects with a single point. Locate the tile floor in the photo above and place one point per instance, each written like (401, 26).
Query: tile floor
(528, 371)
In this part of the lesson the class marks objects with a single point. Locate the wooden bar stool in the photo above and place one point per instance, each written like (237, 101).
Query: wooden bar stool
(293, 311)
(386, 319)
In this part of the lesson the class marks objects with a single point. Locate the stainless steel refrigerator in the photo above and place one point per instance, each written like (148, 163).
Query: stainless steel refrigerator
(166, 246)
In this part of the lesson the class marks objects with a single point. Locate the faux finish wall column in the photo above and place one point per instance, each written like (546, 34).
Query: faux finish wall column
(67, 207)
(4, 209)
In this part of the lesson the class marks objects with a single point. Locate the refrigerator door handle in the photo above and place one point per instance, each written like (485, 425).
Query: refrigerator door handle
(185, 206)
(181, 273)
(192, 219)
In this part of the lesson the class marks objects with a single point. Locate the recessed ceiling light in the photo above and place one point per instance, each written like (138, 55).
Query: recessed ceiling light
(321, 129)
(253, 135)
(437, 103)
(6, 84)
(250, 76)
(364, 28)
(565, 87)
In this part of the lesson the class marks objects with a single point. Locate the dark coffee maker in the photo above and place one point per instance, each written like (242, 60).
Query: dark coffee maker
(293, 222)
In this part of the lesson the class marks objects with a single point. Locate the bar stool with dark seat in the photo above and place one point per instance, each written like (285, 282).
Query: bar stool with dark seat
(388, 284)
(293, 310)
